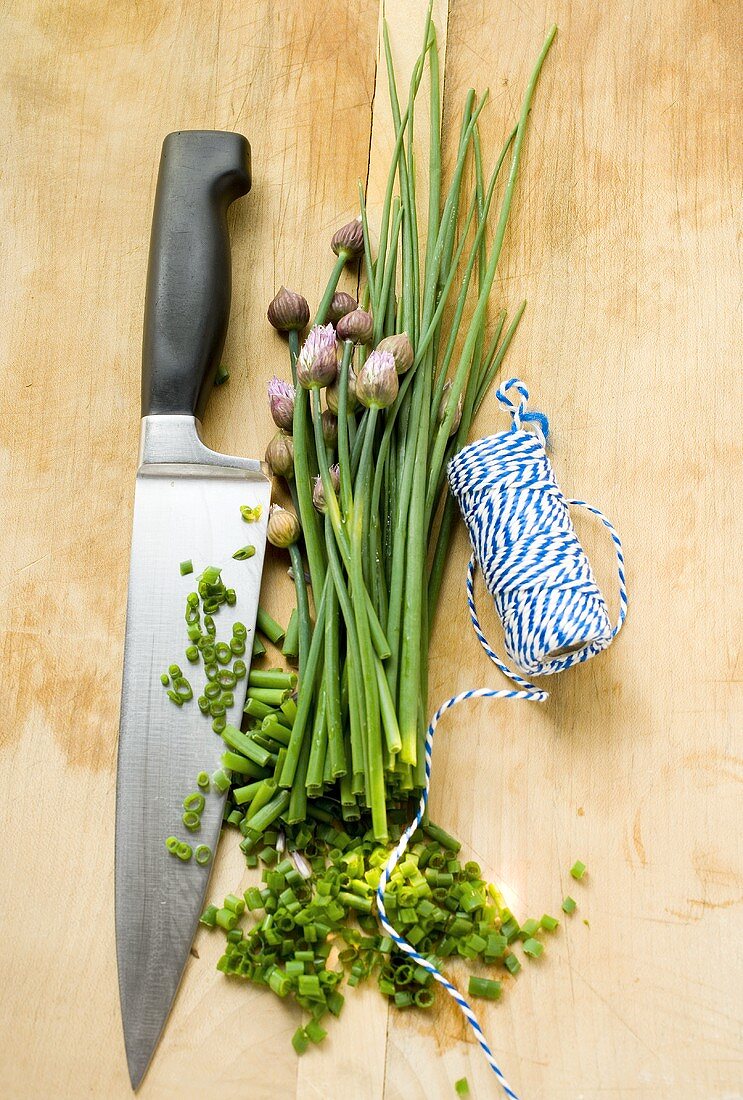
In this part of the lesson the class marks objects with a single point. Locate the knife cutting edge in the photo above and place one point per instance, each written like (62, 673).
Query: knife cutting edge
(187, 506)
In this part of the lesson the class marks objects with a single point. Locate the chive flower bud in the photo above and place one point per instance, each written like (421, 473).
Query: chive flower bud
(356, 326)
(376, 385)
(280, 455)
(400, 349)
(332, 392)
(318, 490)
(281, 401)
(289, 311)
(340, 304)
(349, 240)
(444, 405)
(317, 362)
(283, 527)
(330, 428)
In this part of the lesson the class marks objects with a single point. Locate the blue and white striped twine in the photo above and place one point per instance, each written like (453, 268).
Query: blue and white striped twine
(553, 613)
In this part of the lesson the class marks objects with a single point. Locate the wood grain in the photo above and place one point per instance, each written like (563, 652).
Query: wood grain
(623, 239)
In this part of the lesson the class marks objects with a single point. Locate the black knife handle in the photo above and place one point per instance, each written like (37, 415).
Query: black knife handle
(189, 277)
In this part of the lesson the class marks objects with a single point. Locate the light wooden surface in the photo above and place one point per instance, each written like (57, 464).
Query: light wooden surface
(623, 240)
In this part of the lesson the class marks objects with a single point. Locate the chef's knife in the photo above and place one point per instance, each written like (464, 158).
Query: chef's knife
(186, 506)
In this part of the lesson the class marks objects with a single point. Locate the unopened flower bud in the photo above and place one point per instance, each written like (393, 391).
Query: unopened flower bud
(356, 326)
(340, 304)
(444, 406)
(349, 240)
(330, 428)
(400, 349)
(332, 394)
(280, 455)
(283, 527)
(281, 400)
(289, 311)
(376, 385)
(317, 362)
(318, 489)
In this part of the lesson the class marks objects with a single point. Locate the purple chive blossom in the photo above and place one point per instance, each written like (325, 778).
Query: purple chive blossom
(317, 363)
(281, 400)
(318, 489)
(376, 384)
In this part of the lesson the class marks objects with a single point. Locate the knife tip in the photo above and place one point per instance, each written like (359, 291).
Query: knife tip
(137, 1063)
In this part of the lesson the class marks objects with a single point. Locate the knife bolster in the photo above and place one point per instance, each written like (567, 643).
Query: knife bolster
(175, 441)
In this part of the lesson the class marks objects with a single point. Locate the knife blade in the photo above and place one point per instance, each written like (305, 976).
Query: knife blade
(186, 506)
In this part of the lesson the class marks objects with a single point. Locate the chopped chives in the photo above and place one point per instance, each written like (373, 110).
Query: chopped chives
(462, 1087)
(549, 923)
(272, 697)
(290, 647)
(578, 870)
(533, 948)
(569, 905)
(183, 688)
(186, 567)
(184, 851)
(226, 918)
(441, 837)
(258, 647)
(202, 855)
(164, 679)
(237, 763)
(251, 514)
(314, 1032)
(195, 801)
(300, 1042)
(236, 904)
(191, 820)
(220, 780)
(512, 964)
(484, 987)
(269, 627)
(241, 742)
(244, 553)
(209, 916)
(272, 678)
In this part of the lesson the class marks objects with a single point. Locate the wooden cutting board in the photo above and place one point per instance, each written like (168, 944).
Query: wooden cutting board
(623, 241)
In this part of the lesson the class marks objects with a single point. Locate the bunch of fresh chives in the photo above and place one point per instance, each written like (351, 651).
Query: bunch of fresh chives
(403, 378)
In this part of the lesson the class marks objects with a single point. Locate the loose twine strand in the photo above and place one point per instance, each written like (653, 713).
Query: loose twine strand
(553, 613)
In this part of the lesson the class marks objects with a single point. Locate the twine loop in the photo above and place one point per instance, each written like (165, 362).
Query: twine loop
(553, 613)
